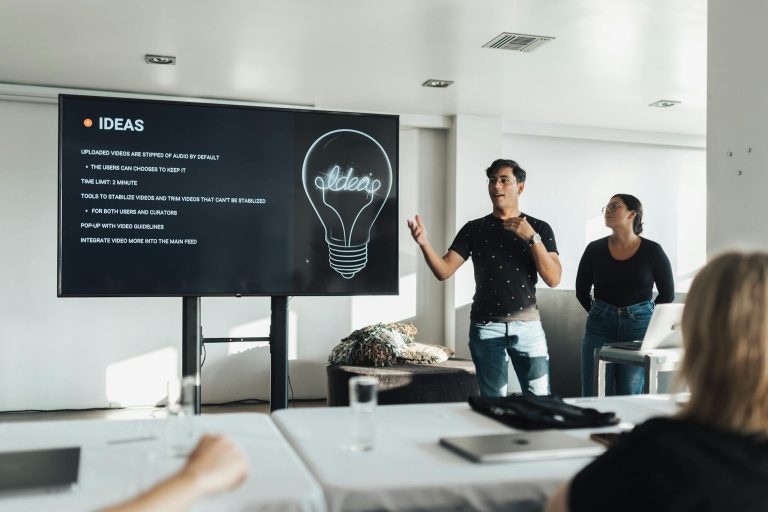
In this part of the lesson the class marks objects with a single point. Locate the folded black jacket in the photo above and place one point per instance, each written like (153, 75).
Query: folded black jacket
(531, 412)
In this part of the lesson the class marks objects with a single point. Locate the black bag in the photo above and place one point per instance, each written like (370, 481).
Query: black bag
(531, 412)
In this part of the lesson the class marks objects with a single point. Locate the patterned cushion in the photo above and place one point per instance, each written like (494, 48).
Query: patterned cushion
(420, 353)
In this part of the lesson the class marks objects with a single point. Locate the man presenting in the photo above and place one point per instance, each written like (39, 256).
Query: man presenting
(509, 250)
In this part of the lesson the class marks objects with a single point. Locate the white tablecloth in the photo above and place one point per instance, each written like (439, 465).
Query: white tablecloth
(121, 458)
(408, 470)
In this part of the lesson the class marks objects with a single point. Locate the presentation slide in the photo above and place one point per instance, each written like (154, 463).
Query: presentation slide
(173, 199)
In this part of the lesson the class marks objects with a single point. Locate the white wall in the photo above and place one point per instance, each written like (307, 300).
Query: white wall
(737, 114)
(77, 353)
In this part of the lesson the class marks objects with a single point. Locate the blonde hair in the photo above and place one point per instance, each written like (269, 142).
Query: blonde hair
(725, 332)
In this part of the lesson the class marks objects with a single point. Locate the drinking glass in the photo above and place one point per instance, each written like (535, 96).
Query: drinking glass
(362, 401)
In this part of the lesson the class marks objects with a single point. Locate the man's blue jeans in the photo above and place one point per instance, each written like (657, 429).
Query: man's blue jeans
(493, 344)
(608, 324)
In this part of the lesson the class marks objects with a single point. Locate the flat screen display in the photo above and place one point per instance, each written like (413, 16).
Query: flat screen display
(189, 199)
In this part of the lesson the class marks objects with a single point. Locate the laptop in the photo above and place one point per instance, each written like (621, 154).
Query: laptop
(37, 471)
(522, 446)
(663, 330)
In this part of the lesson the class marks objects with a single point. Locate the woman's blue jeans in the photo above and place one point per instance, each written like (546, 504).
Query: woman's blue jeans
(493, 344)
(608, 324)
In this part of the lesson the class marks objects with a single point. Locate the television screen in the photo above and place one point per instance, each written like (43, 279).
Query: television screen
(164, 198)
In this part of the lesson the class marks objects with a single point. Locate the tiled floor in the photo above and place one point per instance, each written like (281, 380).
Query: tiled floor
(132, 413)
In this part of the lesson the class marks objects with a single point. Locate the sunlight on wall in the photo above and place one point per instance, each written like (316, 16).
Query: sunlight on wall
(371, 309)
(259, 328)
(142, 379)
(594, 229)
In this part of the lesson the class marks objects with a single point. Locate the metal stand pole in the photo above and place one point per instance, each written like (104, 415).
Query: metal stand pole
(278, 350)
(191, 339)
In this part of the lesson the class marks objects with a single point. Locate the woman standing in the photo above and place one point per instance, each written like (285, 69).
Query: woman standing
(622, 268)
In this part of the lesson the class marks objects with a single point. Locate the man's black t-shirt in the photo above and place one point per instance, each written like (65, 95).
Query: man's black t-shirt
(624, 282)
(669, 464)
(505, 273)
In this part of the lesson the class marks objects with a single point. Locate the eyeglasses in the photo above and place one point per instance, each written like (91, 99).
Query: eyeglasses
(505, 181)
(612, 207)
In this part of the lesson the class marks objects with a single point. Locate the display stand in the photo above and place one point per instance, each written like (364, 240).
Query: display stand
(192, 341)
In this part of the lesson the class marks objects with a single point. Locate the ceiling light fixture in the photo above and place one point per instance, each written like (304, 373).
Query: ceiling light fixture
(664, 103)
(160, 59)
(440, 84)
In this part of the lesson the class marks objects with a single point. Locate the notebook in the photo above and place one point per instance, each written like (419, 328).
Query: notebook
(48, 470)
(663, 330)
(522, 446)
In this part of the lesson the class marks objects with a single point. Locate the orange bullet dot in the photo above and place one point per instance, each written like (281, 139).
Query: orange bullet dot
(88, 123)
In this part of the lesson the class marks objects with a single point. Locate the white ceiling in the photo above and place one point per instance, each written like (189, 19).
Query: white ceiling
(610, 60)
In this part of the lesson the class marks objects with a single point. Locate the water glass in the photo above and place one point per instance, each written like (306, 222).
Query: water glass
(362, 401)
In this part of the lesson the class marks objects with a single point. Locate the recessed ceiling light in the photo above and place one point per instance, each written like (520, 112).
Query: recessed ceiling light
(664, 103)
(441, 84)
(160, 59)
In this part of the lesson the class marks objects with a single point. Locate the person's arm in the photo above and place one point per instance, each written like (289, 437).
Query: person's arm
(663, 277)
(442, 267)
(559, 501)
(584, 280)
(547, 262)
(216, 465)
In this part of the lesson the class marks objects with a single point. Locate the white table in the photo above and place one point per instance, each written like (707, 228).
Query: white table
(121, 458)
(408, 470)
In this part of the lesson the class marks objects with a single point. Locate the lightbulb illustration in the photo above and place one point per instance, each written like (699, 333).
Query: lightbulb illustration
(347, 177)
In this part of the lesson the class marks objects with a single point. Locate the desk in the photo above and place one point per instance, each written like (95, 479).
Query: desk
(652, 361)
(113, 471)
(408, 470)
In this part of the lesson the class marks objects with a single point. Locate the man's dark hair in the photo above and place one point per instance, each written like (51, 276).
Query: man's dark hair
(501, 163)
(633, 204)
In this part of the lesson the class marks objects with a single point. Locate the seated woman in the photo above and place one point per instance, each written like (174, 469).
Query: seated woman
(713, 455)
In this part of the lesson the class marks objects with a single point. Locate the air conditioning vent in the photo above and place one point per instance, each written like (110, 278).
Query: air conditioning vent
(517, 42)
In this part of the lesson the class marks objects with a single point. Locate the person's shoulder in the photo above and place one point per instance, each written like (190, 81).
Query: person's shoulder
(481, 222)
(651, 244)
(652, 247)
(600, 242)
(474, 225)
(597, 245)
(672, 430)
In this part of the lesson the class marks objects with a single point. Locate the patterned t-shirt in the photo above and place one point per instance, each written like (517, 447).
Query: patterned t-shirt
(505, 273)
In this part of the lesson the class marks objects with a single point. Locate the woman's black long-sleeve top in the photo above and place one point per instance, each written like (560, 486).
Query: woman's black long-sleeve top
(624, 282)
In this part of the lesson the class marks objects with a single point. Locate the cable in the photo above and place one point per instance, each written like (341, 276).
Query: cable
(292, 400)
(245, 401)
(24, 411)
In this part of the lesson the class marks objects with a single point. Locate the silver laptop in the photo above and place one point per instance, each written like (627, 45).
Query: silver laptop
(36, 471)
(522, 446)
(663, 330)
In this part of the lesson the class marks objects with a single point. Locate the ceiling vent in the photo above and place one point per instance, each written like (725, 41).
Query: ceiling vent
(517, 42)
